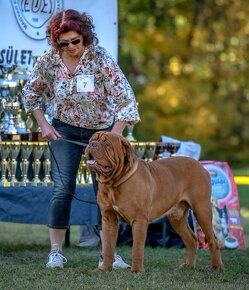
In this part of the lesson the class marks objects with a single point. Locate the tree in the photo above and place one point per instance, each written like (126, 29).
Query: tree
(187, 62)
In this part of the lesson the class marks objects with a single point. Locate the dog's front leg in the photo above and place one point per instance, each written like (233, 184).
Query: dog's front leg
(109, 238)
(139, 233)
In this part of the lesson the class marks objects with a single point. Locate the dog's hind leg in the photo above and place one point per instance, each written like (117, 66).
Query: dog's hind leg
(139, 233)
(204, 219)
(178, 217)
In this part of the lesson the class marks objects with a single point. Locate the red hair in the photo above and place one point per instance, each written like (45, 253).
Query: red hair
(71, 20)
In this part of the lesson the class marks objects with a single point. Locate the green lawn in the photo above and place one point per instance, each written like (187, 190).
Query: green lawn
(24, 248)
(243, 191)
(244, 171)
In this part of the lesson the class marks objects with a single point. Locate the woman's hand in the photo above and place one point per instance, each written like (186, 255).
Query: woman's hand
(48, 131)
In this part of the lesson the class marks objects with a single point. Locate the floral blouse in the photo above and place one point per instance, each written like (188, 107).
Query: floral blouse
(93, 97)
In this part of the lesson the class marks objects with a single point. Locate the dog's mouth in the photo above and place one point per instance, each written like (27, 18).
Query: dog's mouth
(97, 166)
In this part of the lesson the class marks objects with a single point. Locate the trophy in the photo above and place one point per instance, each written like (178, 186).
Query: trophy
(161, 150)
(10, 102)
(26, 149)
(5, 123)
(139, 148)
(81, 179)
(5, 119)
(88, 176)
(150, 150)
(38, 150)
(84, 174)
(87, 172)
(12, 86)
(29, 123)
(172, 147)
(4, 153)
(20, 124)
(129, 135)
(9, 109)
(46, 166)
(14, 152)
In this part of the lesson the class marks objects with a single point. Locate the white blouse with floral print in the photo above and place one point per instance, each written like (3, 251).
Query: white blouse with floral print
(107, 98)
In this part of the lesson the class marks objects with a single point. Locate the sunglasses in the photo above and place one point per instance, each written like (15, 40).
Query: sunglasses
(65, 43)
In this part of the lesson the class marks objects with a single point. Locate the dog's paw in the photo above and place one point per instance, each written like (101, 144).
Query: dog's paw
(186, 265)
(217, 267)
(104, 268)
(136, 270)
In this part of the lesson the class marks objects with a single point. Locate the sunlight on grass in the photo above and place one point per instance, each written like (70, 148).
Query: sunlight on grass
(244, 212)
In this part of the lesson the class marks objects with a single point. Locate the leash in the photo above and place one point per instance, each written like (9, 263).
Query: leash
(74, 142)
(57, 165)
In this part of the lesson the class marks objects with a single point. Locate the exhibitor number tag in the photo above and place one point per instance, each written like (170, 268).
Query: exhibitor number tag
(85, 83)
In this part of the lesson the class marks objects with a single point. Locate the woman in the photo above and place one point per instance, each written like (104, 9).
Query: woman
(79, 86)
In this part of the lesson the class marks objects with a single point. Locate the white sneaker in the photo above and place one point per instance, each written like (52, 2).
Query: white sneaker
(117, 264)
(56, 259)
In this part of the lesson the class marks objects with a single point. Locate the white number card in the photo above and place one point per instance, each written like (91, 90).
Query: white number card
(85, 83)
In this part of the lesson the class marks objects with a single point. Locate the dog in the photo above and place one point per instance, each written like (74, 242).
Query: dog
(138, 192)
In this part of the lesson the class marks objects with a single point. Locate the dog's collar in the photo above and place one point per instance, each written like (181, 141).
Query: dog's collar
(112, 182)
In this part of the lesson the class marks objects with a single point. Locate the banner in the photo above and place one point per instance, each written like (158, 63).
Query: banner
(26, 21)
(226, 208)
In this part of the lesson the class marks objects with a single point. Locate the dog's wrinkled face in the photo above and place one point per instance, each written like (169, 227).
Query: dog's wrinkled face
(107, 154)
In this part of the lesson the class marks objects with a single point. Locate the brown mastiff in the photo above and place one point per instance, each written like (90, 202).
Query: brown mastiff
(138, 192)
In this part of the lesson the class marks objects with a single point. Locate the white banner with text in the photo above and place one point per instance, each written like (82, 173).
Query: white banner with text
(23, 24)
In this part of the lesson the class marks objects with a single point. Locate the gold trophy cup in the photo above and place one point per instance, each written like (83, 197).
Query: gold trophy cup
(80, 179)
(4, 153)
(87, 172)
(150, 150)
(139, 149)
(14, 152)
(46, 167)
(26, 149)
(38, 150)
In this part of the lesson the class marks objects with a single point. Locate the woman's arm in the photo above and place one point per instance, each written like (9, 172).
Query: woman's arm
(48, 131)
(119, 127)
(118, 87)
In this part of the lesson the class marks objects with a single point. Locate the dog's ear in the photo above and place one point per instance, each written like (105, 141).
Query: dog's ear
(128, 152)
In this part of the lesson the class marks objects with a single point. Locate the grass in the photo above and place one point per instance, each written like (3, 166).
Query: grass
(23, 251)
(244, 171)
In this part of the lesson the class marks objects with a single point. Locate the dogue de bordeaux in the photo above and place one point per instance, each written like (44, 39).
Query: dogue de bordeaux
(138, 192)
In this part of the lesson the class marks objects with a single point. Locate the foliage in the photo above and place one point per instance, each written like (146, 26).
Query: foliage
(187, 62)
